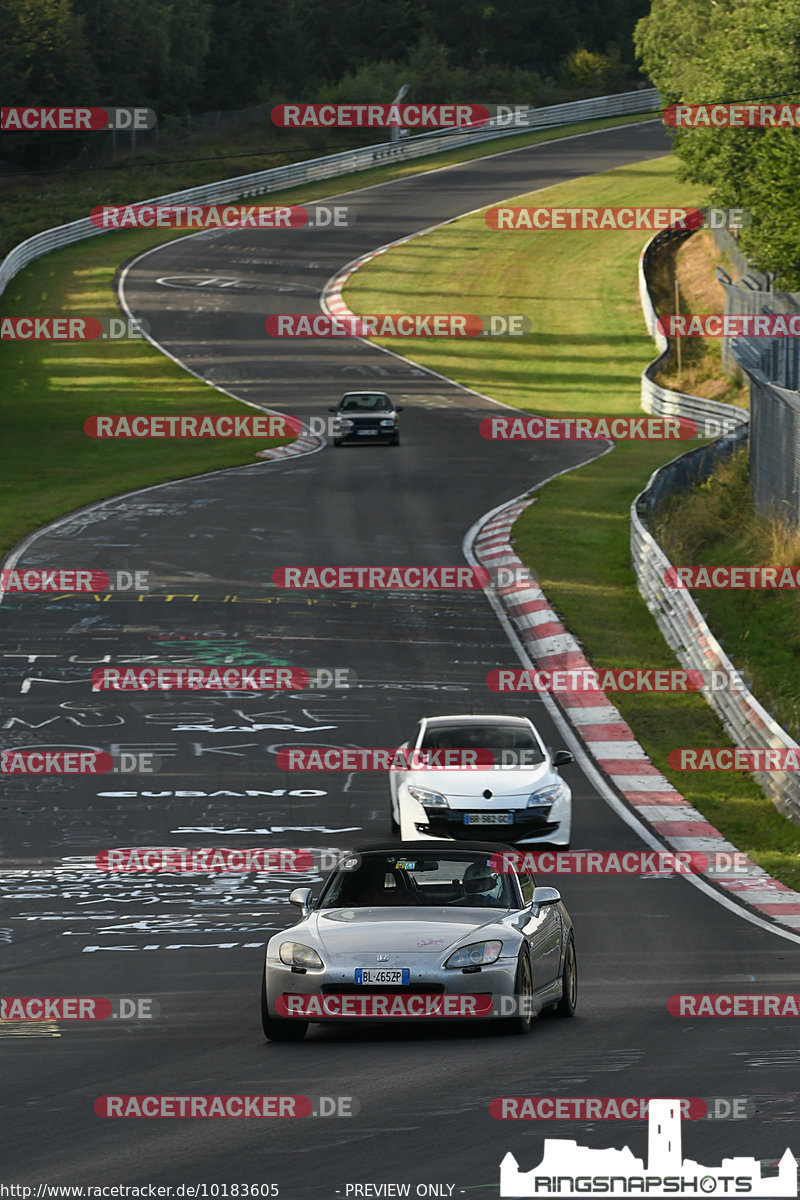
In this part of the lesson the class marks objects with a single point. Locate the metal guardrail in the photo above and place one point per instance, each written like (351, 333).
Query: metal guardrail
(661, 401)
(746, 721)
(260, 183)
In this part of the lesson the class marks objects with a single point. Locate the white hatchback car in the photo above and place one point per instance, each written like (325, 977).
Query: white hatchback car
(521, 798)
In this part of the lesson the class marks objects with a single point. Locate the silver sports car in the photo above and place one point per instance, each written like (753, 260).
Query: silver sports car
(421, 931)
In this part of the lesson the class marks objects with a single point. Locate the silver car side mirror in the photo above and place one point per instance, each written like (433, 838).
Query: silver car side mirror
(302, 898)
(541, 896)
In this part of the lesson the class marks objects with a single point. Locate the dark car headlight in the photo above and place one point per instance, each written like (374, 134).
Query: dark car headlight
(477, 954)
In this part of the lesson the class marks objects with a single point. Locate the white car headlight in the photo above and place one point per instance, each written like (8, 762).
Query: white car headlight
(431, 799)
(478, 954)
(295, 954)
(388, 421)
(546, 795)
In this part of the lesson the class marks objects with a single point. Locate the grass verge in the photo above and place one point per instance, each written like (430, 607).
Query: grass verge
(48, 465)
(583, 356)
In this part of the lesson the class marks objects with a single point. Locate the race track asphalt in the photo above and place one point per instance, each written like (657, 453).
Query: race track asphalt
(196, 944)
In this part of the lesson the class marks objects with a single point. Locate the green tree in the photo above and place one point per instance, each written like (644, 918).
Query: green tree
(706, 51)
(44, 60)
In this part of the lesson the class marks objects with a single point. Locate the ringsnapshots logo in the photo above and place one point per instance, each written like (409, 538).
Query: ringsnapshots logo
(221, 216)
(72, 329)
(399, 325)
(732, 116)
(614, 219)
(570, 1170)
(26, 120)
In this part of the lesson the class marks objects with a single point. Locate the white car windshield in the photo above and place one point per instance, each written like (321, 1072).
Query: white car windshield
(383, 879)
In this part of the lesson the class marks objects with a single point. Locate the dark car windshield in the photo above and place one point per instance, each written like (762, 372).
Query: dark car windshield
(366, 403)
(378, 880)
(517, 739)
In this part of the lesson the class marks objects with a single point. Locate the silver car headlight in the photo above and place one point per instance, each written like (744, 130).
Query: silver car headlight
(431, 799)
(295, 954)
(546, 795)
(478, 954)
(388, 421)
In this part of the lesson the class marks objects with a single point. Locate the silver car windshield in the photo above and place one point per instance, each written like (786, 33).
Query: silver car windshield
(508, 744)
(429, 880)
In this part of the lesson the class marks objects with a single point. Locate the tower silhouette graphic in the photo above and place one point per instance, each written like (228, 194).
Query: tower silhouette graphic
(567, 1168)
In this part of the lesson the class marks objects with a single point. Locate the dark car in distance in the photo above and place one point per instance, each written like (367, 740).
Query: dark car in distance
(366, 417)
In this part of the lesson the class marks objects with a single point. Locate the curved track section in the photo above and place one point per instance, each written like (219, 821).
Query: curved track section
(211, 544)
